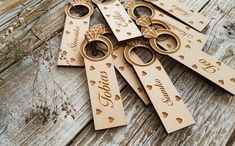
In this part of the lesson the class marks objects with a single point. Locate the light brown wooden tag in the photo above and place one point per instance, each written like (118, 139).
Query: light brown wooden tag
(106, 101)
(123, 67)
(120, 23)
(74, 32)
(192, 36)
(185, 53)
(161, 91)
(179, 10)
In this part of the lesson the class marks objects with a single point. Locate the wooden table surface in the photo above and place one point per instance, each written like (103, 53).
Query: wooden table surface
(212, 107)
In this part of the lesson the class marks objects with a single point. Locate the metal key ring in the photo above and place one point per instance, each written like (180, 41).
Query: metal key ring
(74, 4)
(129, 48)
(104, 3)
(153, 42)
(131, 9)
(99, 38)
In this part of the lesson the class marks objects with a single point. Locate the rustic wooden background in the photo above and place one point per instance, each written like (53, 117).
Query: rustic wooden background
(212, 107)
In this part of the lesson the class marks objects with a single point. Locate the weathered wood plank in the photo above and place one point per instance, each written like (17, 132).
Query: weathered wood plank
(212, 107)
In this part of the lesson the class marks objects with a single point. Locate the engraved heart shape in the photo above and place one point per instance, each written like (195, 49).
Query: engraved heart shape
(194, 66)
(149, 87)
(191, 22)
(121, 68)
(114, 56)
(200, 41)
(187, 46)
(140, 89)
(144, 73)
(108, 15)
(164, 114)
(181, 57)
(92, 82)
(177, 98)
(117, 97)
(118, 30)
(179, 120)
(201, 22)
(108, 65)
(221, 82)
(98, 111)
(67, 32)
(158, 68)
(169, 45)
(72, 60)
(219, 63)
(111, 119)
(128, 33)
(233, 80)
(92, 68)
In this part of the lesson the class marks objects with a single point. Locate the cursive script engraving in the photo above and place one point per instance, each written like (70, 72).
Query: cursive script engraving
(181, 32)
(166, 98)
(181, 10)
(208, 67)
(120, 21)
(104, 90)
(75, 40)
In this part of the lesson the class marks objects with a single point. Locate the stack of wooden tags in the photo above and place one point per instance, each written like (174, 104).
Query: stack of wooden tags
(159, 33)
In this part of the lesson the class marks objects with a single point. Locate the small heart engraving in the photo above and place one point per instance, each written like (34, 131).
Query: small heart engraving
(114, 56)
(92, 83)
(92, 68)
(121, 68)
(221, 82)
(179, 120)
(144, 73)
(164, 114)
(111, 119)
(194, 66)
(98, 111)
(108, 65)
(117, 97)
(158, 68)
(149, 87)
(177, 98)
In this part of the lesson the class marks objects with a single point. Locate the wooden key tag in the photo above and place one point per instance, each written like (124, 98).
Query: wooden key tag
(117, 18)
(180, 11)
(106, 102)
(161, 91)
(76, 25)
(185, 53)
(192, 36)
(122, 66)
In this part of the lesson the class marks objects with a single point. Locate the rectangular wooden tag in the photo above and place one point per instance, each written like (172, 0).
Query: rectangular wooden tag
(164, 97)
(129, 74)
(73, 35)
(204, 64)
(106, 102)
(119, 21)
(196, 38)
(179, 10)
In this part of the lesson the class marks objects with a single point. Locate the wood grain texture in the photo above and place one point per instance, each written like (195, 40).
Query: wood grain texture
(212, 107)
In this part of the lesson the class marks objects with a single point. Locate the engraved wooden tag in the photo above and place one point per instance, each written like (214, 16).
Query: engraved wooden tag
(120, 23)
(123, 67)
(74, 32)
(161, 91)
(192, 36)
(185, 53)
(179, 10)
(106, 101)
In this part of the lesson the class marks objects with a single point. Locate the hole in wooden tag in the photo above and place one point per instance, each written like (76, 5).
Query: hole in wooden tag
(79, 11)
